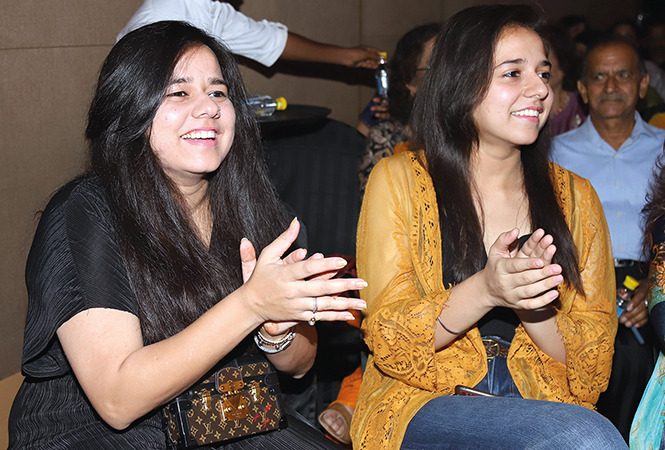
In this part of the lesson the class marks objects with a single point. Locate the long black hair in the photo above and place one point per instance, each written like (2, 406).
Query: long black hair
(404, 67)
(459, 78)
(655, 204)
(175, 278)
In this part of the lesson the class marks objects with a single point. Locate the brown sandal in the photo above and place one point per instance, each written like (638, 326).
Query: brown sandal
(346, 416)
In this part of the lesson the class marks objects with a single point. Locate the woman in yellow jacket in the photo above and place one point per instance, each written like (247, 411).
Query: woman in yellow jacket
(487, 266)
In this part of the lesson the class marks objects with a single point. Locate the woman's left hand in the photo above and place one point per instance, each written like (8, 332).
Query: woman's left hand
(248, 260)
(539, 245)
(520, 279)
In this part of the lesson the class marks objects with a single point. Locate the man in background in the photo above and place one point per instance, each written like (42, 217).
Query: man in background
(262, 41)
(617, 151)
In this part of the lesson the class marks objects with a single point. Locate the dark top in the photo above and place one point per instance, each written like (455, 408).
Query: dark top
(500, 321)
(74, 264)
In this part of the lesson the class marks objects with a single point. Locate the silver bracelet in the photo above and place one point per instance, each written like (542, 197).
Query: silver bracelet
(269, 346)
(446, 328)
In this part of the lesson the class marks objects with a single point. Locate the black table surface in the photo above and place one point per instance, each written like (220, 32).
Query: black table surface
(293, 115)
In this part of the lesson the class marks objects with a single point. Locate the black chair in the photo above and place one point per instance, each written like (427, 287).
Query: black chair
(314, 168)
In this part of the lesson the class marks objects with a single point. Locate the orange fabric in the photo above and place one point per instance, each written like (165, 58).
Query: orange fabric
(658, 120)
(399, 255)
(356, 318)
(348, 391)
(402, 147)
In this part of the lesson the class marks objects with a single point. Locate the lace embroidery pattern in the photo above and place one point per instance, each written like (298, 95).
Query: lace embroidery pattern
(587, 323)
(405, 372)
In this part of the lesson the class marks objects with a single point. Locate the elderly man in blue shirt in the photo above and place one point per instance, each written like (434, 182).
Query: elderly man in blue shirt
(617, 151)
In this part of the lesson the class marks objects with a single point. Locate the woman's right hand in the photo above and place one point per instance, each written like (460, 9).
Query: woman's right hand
(283, 289)
(518, 279)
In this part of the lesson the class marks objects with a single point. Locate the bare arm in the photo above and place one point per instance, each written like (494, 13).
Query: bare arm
(541, 327)
(300, 48)
(125, 380)
(297, 359)
(522, 284)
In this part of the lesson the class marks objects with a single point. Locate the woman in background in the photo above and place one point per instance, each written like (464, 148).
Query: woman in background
(568, 111)
(647, 430)
(407, 67)
(487, 266)
(135, 280)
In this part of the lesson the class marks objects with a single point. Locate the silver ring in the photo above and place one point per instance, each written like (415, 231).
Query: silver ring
(646, 302)
(312, 321)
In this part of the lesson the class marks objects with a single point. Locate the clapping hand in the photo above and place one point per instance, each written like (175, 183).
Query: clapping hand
(522, 279)
(284, 288)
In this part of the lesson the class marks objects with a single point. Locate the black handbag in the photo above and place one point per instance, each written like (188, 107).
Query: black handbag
(238, 400)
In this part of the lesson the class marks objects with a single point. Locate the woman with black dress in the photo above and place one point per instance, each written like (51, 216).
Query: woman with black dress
(143, 272)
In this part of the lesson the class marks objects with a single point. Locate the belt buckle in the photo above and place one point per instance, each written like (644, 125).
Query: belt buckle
(491, 344)
(625, 263)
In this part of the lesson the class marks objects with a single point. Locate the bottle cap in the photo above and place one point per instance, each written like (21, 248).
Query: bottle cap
(384, 55)
(631, 283)
(281, 103)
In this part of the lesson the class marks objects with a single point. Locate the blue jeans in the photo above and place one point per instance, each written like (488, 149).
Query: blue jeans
(498, 380)
(497, 423)
(508, 422)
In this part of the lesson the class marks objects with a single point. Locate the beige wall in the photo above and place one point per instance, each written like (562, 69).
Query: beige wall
(50, 52)
(49, 55)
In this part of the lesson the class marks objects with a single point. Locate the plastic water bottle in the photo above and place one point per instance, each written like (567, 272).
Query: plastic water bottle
(264, 105)
(624, 295)
(381, 75)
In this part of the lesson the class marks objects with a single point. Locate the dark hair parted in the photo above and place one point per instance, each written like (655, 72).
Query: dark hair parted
(404, 67)
(461, 69)
(175, 278)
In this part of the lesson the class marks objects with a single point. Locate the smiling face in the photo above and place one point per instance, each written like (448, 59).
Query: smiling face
(193, 128)
(519, 98)
(613, 83)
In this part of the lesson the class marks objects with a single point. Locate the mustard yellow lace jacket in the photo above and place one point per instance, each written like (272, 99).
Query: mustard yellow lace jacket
(399, 255)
